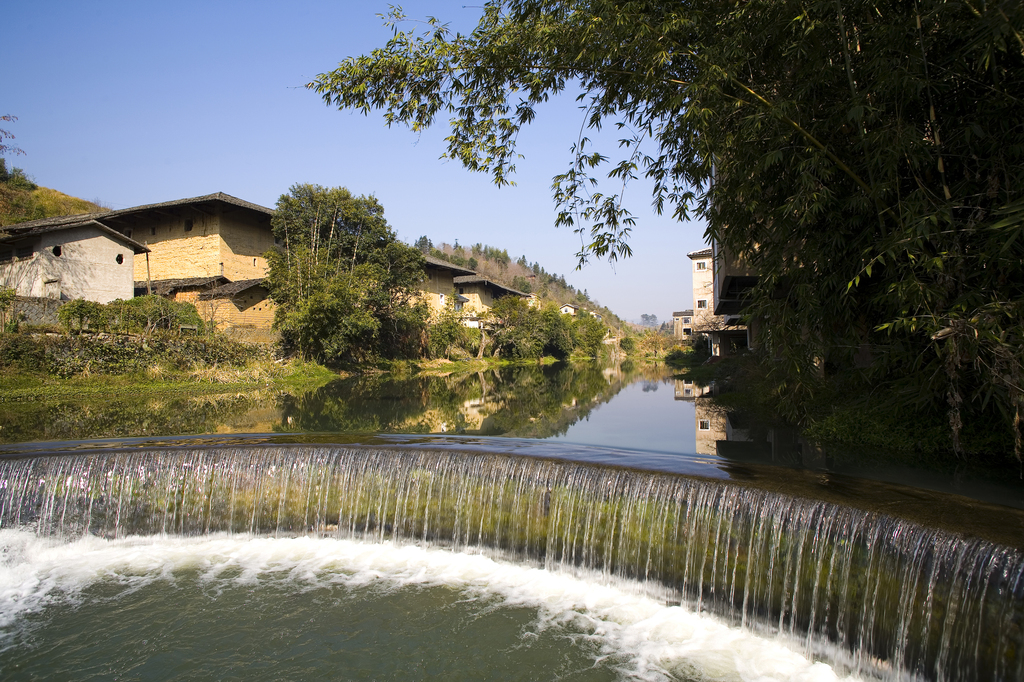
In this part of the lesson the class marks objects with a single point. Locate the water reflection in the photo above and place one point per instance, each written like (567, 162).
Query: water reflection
(527, 402)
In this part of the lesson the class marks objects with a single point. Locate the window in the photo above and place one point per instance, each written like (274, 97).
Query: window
(458, 307)
(25, 252)
(57, 251)
(277, 241)
(702, 304)
(704, 424)
(152, 231)
(188, 224)
(686, 320)
(702, 265)
(441, 296)
(462, 290)
(128, 233)
(254, 262)
(687, 392)
(119, 259)
(687, 331)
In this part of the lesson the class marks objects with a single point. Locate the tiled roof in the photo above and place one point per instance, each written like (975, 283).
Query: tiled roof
(231, 289)
(477, 279)
(10, 233)
(703, 253)
(439, 263)
(163, 287)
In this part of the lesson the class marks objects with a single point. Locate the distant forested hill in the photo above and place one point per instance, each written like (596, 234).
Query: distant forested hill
(530, 278)
(21, 199)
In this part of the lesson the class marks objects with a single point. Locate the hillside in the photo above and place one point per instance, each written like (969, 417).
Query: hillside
(21, 199)
(520, 274)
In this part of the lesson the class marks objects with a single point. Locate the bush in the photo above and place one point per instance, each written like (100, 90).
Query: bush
(627, 344)
(80, 314)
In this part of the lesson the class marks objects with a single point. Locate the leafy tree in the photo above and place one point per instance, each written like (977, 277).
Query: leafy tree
(519, 332)
(649, 320)
(866, 159)
(447, 331)
(424, 245)
(522, 284)
(558, 332)
(589, 333)
(344, 286)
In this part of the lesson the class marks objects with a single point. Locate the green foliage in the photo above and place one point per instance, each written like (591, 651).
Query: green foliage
(71, 355)
(679, 357)
(628, 344)
(589, 333)
(7, 296)
(143, 314)
(447, 331)
(867, 163)
(519, 332)
(81, 314)
(15, 178)
(523, 332)
(344, 286)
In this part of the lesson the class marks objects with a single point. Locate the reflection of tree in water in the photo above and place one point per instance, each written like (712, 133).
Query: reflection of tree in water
(524, 401)
(130, 416)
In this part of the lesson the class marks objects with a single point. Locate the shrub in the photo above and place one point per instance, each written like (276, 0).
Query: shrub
(81, 314)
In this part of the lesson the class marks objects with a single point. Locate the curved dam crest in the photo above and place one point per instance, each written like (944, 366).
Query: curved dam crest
(877, 595)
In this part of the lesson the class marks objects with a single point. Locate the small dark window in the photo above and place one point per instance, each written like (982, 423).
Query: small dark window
(152, 231)
(188, 225)
(57, 250)
(119, 259)
(25, 252)
(128, 233)
(277, 241)
(254, 262)
(462, 290)
(6, 256)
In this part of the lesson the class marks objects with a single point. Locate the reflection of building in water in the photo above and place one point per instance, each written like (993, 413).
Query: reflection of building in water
(685, 389)
(733, 436)
(711, 422)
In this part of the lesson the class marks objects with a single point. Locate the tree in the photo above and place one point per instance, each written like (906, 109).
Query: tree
(865, 159)
(649, 320)
(344, 286)
(424, 245)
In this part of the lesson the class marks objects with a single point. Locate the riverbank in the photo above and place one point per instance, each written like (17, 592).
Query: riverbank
(52, 366)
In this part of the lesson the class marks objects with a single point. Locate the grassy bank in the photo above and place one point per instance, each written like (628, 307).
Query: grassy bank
(47, 366)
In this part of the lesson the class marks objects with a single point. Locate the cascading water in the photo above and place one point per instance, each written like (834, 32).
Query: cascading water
(877, 595)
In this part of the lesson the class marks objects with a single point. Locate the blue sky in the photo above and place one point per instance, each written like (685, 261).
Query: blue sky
(136, 102)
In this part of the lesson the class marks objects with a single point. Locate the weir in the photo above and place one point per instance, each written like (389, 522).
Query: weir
(878, 595)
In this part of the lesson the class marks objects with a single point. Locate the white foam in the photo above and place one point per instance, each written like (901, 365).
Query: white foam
(661, 641)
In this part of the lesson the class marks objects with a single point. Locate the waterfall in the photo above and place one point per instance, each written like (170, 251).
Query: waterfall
(880, 595)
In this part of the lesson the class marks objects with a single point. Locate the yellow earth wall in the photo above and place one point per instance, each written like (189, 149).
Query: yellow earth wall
(244, 239)
(176, 253)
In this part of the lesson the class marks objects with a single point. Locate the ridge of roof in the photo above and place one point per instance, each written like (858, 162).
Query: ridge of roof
(433, 260)
(700, 254)
(231, 288)
(480, 279)
(216, 196)
(85, 217)
(22, 230)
